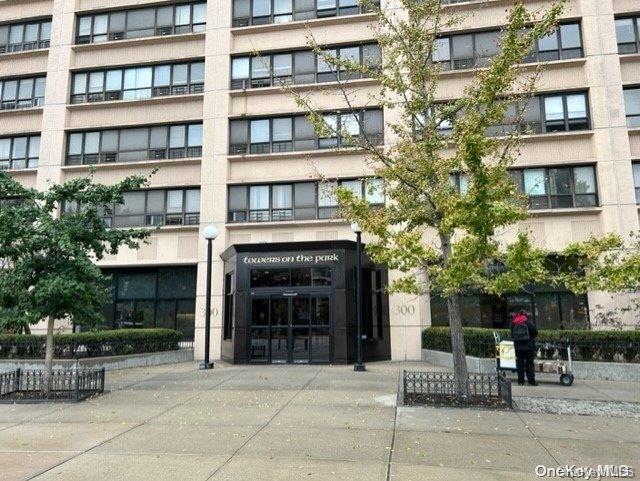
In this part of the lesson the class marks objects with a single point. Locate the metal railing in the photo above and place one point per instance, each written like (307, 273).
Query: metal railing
(424, 387)
(65, 385)
(596, 350)
(21, 103)
(35, 349)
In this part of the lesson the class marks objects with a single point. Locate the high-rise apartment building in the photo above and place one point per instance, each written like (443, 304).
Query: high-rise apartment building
(127, 86)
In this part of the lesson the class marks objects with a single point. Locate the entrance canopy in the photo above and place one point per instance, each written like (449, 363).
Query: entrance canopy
(295, 303)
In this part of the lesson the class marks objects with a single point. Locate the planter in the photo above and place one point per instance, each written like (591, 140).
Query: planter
(109, 363)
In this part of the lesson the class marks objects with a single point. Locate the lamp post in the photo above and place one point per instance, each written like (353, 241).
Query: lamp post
(210, 232)
(358, 366)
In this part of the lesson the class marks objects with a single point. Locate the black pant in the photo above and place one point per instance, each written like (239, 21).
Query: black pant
(524, 363)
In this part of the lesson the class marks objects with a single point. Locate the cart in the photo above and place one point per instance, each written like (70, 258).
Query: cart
(506, 361)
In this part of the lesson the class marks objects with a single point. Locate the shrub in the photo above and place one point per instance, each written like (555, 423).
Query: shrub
(586, 345)
(90, 344)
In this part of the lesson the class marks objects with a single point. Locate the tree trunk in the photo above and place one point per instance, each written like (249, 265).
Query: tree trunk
(48, 357)
(460, 373)
(457, 347)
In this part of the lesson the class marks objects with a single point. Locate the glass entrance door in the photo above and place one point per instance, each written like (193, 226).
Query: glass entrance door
(279, 329)
(290, 328)
(300, 320)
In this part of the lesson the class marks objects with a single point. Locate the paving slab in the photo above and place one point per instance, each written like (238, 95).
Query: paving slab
(314, 443)
(595, 428)
(262, 398)
(15, 413)
(327, 397)
(470, 451)
(579, 390)
(270, 381)
(458, 420)
(421, 472)
(184, 385)
(617, 391)
(348, 417)
(126, 467)
(134, 396)
(217, 415)
(285, 469)
(105, 413)
(62, 437)
(16, 466)
(350, 385)
(7, 425)
(592, 453)
(160, 439)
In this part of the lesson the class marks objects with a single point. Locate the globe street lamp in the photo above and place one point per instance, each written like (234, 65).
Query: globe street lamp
(358, 366)
(210, 232)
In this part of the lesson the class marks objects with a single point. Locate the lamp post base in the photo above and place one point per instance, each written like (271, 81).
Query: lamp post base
(359, 367)
(205, 365)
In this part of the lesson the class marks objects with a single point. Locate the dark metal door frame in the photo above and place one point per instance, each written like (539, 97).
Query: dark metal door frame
(289, 295)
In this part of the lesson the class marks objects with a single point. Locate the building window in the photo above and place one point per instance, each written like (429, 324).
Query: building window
(628, 35)
(157, 207)
(301, 67)
(297, 201)
(296, 133)
(558, 187)
(295, 277)
(17, 37)
(549, 187)
(548, 309)
(19, 152)
(229, 292)
(475, 50)
(636, 180)
(559, 112)
(138, 82)
(152, 298)
(142, 22)
(21, 93)
(564, 112)
(632, 106)
(260, 12)
(134, 144)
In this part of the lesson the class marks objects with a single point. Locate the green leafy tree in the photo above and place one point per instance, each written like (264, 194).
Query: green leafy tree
(49, 269)
(444, 240)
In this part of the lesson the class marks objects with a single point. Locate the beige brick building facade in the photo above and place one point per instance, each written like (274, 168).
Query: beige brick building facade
(97, 109)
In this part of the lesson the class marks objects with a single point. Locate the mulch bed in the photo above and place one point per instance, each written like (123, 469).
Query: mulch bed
(34, 397)
(450, 400)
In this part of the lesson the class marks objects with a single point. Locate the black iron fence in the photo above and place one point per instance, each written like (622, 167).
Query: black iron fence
(65, 385)
(425, 387)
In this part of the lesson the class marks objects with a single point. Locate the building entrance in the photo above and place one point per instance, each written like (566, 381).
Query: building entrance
(290, 327)
(295, 302)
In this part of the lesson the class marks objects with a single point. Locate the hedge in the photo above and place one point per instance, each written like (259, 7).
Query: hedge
(90, 344)
(586, 345)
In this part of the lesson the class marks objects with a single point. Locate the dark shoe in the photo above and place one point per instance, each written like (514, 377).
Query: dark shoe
(533, 383)
(520, 383)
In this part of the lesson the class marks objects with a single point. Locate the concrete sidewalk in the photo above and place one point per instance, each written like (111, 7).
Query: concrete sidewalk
(299, 422)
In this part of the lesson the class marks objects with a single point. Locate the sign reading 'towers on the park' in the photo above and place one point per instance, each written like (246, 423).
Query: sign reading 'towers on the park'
(320, 258)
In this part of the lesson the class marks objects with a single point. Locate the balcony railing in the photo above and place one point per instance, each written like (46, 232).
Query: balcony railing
(137, 94)
(21, 104)
(22, 47)
(134, 156)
